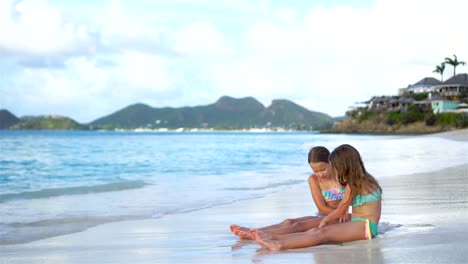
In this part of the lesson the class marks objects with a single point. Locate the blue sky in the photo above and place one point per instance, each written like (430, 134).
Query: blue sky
(87, 59)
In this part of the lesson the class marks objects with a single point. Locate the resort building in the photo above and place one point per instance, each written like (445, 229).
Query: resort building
(426, 104)
(453, 87)
(423, 86)
(441, 97)
(388, 104)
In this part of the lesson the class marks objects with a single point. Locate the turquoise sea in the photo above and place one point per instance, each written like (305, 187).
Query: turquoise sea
(59, 182)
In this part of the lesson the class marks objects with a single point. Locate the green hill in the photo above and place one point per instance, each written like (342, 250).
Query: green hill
(226, 113)
(48, 123)
(285, 113)
(7, 119)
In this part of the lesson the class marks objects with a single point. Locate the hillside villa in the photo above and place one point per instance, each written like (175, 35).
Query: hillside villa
(441, 97)
(453, 87)
(425, 85)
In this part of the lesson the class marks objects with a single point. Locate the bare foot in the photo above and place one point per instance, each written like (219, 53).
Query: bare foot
(234, 227)
(273, 245)
(255, 232)
(240, 231)
(243, 232)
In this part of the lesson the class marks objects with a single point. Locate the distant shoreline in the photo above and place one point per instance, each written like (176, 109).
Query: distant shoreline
(248, 131)
(260, 130)
(169, 130)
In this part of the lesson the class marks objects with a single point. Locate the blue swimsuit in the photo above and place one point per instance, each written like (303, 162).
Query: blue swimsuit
(371, 227)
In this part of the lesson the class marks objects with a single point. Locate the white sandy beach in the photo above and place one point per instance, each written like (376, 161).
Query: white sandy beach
(425, 220)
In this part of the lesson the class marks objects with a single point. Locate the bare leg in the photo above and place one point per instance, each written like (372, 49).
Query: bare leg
(297, 227)
(243, 232)
(345, 232)
(273, 245)
(287, 222)
(256, 232)
(264, 235)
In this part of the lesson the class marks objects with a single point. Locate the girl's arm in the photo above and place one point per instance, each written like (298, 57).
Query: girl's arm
(317, 196)
(340, 210)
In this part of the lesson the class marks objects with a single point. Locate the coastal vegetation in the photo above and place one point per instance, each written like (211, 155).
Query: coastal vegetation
(48, 123)
(413, 121)
(425, 107)
(454, 62)
(440, 70)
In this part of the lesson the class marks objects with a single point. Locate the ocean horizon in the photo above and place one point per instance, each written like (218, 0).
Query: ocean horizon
(60, 182)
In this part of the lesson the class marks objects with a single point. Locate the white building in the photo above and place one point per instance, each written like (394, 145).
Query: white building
(425, 85)
(454, 86)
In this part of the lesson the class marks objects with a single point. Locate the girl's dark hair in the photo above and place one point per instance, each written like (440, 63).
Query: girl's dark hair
(318, 154)
(350, 170)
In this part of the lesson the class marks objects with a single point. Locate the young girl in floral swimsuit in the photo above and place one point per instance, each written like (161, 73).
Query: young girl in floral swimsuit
(326, 193)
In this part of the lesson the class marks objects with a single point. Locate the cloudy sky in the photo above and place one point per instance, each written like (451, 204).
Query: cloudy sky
(86, 59)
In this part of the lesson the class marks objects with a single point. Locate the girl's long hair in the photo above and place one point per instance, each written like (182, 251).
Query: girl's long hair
(349, 170)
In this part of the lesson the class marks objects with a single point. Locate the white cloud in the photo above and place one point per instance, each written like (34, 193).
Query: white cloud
(121, 28)
(341, 52)
(324, 58)
(76, 92)
(85, 91)
(272, 41)
(144, 71)
(33, 27)
(200, 39)
(286, 15)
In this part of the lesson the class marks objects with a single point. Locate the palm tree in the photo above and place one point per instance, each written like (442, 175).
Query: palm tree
(440, 69)
(454, 63)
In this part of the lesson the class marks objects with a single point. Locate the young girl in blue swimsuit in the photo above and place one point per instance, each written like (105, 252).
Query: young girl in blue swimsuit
(326, 193)
(362, 192)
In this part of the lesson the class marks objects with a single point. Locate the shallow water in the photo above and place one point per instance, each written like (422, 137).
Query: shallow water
(54, 183)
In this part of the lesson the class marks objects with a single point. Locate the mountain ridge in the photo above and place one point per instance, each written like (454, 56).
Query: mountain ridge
(227, 113)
